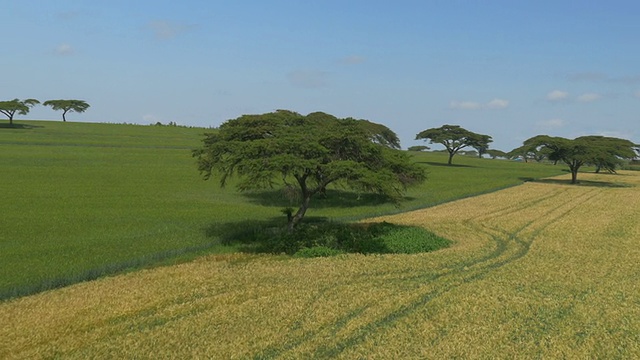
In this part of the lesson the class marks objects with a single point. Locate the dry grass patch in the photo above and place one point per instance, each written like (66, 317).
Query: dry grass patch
(543, 270)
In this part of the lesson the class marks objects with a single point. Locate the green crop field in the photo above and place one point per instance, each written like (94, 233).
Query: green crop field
(83, 200)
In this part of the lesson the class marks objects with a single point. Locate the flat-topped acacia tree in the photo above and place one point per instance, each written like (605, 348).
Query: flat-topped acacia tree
(455, 138)
(16, 106)
(599, 151)
(306, 153)
(66, 106)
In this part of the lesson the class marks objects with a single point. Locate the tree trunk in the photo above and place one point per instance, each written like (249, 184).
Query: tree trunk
(294, 220)
(11, 119)
(574, 166)
(450, 157)
(574, 176)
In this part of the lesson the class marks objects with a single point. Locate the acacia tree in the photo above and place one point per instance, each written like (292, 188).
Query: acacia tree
(66, 106)
(306, 153)
(11, 107)
(483, 145)
(454, 138)
(593, 150)
(418, 148)
(494, 153)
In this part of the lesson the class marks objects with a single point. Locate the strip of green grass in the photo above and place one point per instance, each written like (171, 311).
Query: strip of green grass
(82, 200)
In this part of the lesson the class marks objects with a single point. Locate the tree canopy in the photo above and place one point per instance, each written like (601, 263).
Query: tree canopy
(306, 154)
(454, 138)
(418, 148)
(11, 107)
(600, 151)
(66, 106)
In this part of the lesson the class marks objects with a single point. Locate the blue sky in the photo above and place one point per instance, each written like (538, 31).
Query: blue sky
(509, 69)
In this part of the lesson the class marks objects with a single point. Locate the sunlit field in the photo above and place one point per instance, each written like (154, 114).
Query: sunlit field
(82, 200)
(541, 270)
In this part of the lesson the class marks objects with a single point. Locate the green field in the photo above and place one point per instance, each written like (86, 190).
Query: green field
(83, 200)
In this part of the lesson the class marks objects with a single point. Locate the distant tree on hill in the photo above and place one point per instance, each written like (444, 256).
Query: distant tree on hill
(454, 138)
(493, 153)
(600, 151)
(66, 106)
(305, 154)
(418, 148)
(482, 145)
(11, 107)
(528, 152)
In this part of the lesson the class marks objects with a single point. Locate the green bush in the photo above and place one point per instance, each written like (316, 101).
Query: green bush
(412, 240)
(316, 239)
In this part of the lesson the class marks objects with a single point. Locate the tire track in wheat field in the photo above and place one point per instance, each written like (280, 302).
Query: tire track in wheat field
(510, 245)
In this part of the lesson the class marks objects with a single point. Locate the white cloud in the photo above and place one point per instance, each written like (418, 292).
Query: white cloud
(589, 97)
(165, 30)
(63, 49)
(465, 105)
(497, 104)
(472, 105)
(551, 124)
(308, 78)
(557, 95)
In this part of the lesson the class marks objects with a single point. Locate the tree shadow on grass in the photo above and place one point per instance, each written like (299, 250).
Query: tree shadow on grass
(334, 198)
(315, 234)
(579, 183)
(19, 126)
(433, 163)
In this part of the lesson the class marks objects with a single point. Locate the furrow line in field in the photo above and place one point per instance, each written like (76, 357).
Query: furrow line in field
(510, 246)
(514, 207)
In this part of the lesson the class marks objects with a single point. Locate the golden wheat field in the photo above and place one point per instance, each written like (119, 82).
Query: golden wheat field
(542, 270)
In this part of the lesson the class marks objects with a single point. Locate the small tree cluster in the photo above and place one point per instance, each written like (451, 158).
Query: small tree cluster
(600, 151)
(16, 106)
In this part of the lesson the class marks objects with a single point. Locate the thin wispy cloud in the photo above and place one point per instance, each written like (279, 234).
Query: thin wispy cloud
(67, 15)
(309, 79)
(637, 94)
(497, 104)
(150, 118)
(587, 76)
(353, 60)
(589, 97)
(551, 124)
(557, 95)
(64, 50)
(472, 105)
(465, 105)
(602, 77)
(165, 30)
